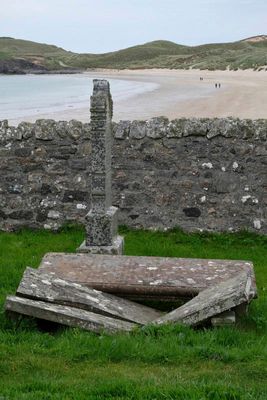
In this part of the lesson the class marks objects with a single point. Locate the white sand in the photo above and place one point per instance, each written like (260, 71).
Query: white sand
(242, 94)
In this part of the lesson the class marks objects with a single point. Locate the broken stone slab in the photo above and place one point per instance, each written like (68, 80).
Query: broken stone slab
(41, 286)
(66, 315)
(213, 301)
(135, 277)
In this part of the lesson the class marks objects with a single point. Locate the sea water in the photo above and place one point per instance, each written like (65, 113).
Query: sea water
(23, 96)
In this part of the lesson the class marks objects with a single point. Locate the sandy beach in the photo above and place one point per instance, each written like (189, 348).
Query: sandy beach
(242, 94)
(179, 93)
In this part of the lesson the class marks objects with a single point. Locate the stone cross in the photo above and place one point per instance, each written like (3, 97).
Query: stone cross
(101, 220)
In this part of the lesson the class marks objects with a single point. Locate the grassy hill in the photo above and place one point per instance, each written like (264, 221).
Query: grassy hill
(244, 54)
(22, 56)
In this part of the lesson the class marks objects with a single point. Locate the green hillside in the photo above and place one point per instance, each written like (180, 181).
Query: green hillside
(38, 54)
(248, 53)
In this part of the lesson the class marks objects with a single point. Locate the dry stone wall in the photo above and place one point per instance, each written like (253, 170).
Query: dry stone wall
(44, 170)
(199, 174)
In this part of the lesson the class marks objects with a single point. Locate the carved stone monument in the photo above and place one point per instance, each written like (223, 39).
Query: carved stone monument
(101, 224)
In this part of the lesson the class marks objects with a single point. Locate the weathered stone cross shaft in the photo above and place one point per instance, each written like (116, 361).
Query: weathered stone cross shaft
(102, 218)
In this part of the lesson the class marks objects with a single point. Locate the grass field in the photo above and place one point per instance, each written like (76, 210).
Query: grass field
(169, 362)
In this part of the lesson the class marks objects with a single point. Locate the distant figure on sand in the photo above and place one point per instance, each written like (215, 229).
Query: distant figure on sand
(216, 85)
(219, 85)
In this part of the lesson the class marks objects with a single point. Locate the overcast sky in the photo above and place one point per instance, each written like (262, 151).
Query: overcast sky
(96, 26)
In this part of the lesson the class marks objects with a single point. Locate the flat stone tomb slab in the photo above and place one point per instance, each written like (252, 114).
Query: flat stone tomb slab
(39, 286)
(144, 277)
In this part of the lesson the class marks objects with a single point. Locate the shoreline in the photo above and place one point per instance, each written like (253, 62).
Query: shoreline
(181, 93)
(115, 70)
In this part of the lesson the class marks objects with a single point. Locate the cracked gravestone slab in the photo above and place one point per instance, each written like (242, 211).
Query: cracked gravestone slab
(213, 301)
(65, 290)
(47, 287)
(135, 277)
(66, 315)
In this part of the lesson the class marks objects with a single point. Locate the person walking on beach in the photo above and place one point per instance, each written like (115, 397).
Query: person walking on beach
(215, 85)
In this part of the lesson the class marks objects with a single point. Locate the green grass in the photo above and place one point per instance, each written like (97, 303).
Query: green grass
(156, 54)
(169, 362)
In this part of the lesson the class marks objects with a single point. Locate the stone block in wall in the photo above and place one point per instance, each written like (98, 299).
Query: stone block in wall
(53, 214)
(175, 129)
(26, 130)
(227, 127)
(195, 126)
(45, 189)
(157, 127)
(75, 212)
(3, 125)
(74, 128)
(261, 151)
(138, 130)
(23, 152)
(78, 164)
(14, 185)
(30, 165)
(55, 167)
(41, 188)
(121, 130)
(192, 212)
(3, 129)
(44, 129)
(86, 131)
(2, 215)
(260, 129)
(247, 128)
(60, 152)
(61, 129)
(224, 183)
(79, 181)
(74, 195)
(41, 215)
(21, 214)
(127, 200)
(39, 153)
(170, 142)
(13, 134)
(85, 149)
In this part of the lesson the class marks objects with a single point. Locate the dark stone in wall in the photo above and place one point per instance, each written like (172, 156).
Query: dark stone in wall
(192, 212)
(74, 195)
(45, 189)
(41, 216)
(199, 174)
(22, 152)
(2, 215)
(80, 164)
(27, 166)
(21, 214)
